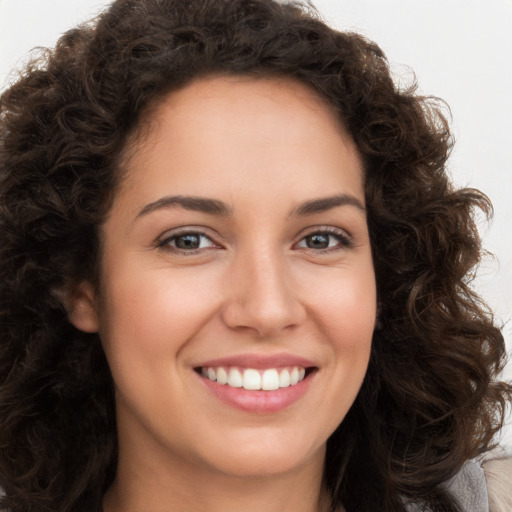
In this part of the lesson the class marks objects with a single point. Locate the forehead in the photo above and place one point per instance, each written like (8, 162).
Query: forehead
(243, 91)
(238, 132)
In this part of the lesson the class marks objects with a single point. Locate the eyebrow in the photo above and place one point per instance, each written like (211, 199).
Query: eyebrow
(327, 203)
(197, 204)
(216, 207)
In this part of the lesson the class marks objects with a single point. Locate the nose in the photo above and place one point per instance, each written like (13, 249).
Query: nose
(262, 296)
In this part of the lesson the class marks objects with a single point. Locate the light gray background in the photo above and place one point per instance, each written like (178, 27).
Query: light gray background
(460, 50)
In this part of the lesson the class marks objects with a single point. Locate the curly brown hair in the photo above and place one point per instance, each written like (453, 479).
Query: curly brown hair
(430, 400)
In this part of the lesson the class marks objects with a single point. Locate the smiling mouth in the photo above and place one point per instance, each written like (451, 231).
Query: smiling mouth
(252, 379)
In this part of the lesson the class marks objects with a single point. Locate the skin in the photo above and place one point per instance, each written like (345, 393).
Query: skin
(255, 285)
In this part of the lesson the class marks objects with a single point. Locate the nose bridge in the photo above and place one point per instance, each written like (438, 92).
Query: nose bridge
(262, 293)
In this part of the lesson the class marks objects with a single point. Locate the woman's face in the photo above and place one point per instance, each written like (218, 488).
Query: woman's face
(236, 250)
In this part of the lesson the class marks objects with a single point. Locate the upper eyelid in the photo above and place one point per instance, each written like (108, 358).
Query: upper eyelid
(324, 229)
(185, 230)
(164, 240)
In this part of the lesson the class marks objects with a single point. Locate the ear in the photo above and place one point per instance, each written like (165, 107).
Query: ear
(80, 302)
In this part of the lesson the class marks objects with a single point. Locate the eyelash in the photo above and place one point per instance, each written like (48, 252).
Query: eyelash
(165, 244)
(344, 241)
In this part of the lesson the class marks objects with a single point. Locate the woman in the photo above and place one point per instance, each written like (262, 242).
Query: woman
(234, 274)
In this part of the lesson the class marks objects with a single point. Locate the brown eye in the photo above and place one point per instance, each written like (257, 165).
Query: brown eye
(187, 242)
(317, 241)
(325, 241)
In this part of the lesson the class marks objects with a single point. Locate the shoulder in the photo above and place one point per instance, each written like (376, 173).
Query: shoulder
(484, 485)
(498, 473)
(469, 488)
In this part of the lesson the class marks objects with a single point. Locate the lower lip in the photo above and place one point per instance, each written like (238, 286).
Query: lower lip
(261, 402)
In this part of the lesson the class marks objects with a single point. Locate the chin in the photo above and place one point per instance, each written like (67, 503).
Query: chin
(268, 455)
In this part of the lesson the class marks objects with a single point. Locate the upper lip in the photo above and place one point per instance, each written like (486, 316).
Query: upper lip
(259, 361)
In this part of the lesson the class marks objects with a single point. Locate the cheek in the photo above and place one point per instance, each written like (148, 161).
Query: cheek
(343, 307)
(154, 311)
(346, 312)
(346, 307)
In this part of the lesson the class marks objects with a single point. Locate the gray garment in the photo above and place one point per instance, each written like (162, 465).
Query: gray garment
(468, 487)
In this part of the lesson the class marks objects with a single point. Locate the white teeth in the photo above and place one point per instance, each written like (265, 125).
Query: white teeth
(235, 378)
(270, 380)
(284, 379)
(251, 379)
(222, 376)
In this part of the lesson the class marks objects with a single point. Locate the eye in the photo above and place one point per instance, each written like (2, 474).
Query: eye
(325, 240)
(189, 241)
